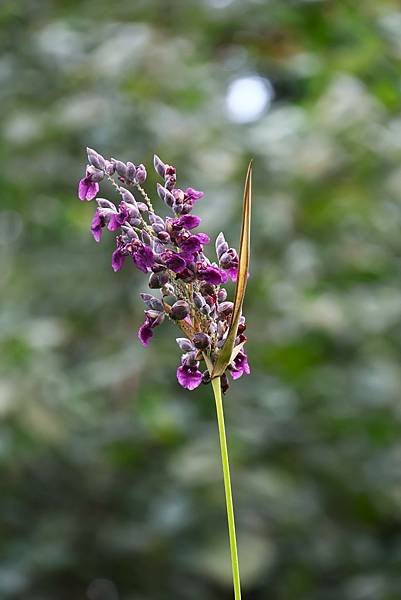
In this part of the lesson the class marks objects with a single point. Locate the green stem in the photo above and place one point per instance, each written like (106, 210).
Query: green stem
(227, 487)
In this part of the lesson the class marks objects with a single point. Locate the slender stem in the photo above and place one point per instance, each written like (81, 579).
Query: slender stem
(227, 487)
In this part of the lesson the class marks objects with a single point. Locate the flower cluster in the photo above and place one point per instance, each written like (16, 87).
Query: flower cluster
(172, 254)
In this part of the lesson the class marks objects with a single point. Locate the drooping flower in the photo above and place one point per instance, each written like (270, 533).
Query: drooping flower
(189, 377)
(88, 189)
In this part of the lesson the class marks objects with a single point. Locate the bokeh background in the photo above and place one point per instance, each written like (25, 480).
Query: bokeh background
(110, 473)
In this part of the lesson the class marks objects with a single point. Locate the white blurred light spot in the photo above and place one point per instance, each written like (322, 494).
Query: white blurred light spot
(219, 3)
(248, 97)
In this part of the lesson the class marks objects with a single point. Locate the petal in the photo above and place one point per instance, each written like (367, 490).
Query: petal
(92, 190)
(82, 189)
(145, 333)
(189, 378)
(117, 260)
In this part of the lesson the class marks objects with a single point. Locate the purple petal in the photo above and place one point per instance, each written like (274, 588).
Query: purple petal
(191, 244)
(82, 188)
(189, 377)
(187, 221)
(117, 260)
(96, 226)
(145, 333)
(174, 262)
(203, 238)
(92, 190)
(212, 275)
(193, 194)
(143, 258)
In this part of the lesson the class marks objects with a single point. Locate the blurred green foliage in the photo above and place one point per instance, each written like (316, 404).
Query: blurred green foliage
(110, 475)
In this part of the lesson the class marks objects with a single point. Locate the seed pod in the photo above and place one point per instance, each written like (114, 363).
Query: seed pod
(179, 310)
(201, 341)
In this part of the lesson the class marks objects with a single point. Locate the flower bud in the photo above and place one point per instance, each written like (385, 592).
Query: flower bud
(96, 159)
(221, 245)
(95, 174)
(131, 171)
(225, 308)
(222, 295)
(184, 344)
(201, 341)
(159, 165)
(103, 203)
(168, 290)
(165, 195)
(199, 301)
(147, 240)
(121, 168)
(142, 207)
(127, 196)
(206, 377)
(158, 280)
(163, 236)
(152, 302)
(179, 310)
(141, 174)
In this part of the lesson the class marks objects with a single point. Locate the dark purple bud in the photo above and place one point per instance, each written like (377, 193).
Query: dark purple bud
(170, 182)
(207, 289)
(163, 236)
(206, 377)
(198, 300)
(159, 165)
(224, 383)
(96, 159)
(179, 310)
(141, 174)
(201, 341)
(158, 280)
(131, 171)
(184, 344)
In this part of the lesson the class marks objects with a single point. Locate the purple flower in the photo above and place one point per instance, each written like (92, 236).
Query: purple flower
(118, 218)
(87, 189)
(186, 221)
(117, 259)
(240, 365)
(211, 274)
(174, 261)
(194, 195)
(189, 377)
(98, 222)
(145, 332)
(143, 257)
(152, 320)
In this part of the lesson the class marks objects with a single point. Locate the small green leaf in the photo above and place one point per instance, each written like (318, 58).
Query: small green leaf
(226, 353)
